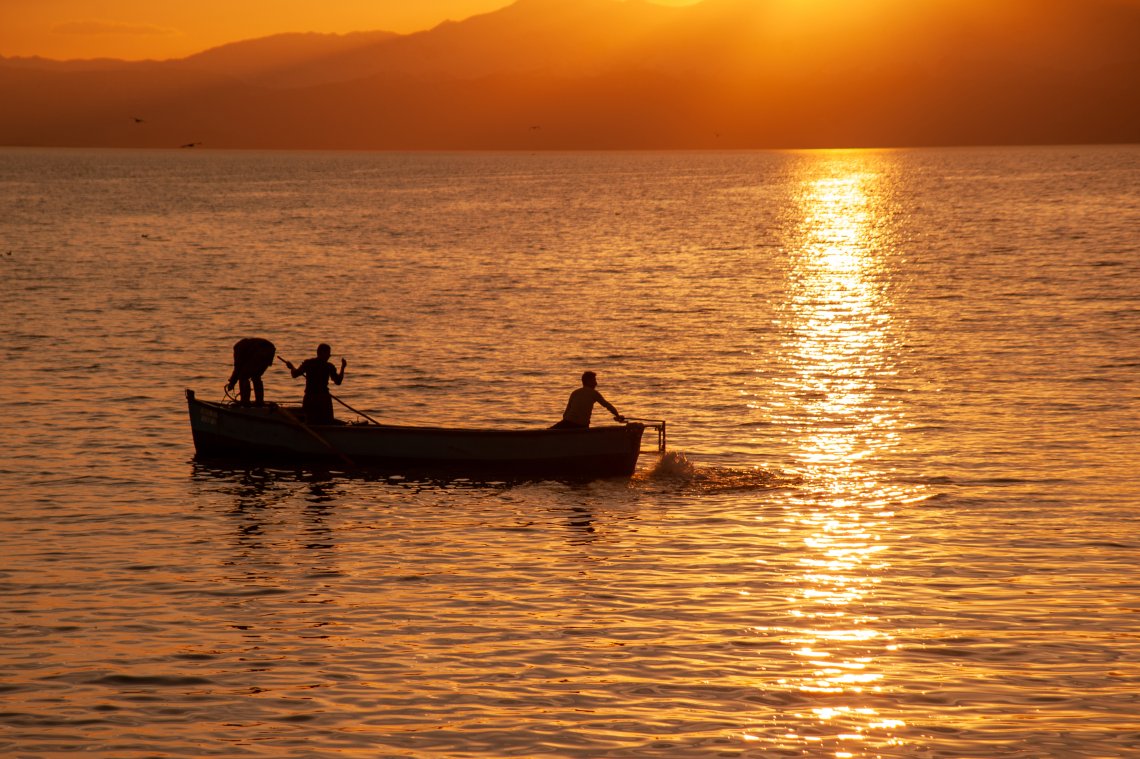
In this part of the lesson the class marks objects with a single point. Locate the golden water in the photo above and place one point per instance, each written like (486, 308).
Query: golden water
(898, 518)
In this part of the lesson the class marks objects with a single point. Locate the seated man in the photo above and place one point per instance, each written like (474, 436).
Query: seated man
(581, 405)
(252, 356)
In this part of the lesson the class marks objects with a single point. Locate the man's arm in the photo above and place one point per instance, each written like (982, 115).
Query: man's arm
(237, 368)
(609, 407)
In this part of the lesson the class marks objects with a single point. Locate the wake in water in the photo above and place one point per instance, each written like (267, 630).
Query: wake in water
(674, 468)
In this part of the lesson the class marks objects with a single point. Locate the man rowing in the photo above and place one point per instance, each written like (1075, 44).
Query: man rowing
(317, 403)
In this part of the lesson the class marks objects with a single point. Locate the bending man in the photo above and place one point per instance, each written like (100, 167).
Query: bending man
(252, 356)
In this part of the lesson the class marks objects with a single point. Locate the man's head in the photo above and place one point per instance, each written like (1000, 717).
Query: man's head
(324, 351)
(589, 379)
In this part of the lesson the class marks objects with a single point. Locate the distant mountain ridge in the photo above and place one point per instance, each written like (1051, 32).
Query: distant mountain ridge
(272, 60)
(599, 74)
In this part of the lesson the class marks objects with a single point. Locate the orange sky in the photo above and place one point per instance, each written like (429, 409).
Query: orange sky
(159, 29)
(566, 74)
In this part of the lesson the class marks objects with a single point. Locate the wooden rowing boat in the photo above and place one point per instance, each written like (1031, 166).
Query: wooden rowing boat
(231, 431)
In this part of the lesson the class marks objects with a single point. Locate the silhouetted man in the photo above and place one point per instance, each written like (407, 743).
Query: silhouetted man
(581, 405)
(317, 404)
(252, 356)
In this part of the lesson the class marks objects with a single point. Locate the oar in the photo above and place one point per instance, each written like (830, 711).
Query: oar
(313, 433)
(355, 411)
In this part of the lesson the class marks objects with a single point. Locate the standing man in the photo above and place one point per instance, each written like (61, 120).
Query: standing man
(252, 356)
(317, 404)
(581, 405)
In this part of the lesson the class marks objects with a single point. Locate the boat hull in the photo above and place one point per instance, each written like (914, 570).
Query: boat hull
(273, 433)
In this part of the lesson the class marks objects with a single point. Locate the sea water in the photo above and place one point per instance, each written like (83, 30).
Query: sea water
(897, 517)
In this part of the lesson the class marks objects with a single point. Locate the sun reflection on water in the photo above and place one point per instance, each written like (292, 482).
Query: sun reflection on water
(837, 354)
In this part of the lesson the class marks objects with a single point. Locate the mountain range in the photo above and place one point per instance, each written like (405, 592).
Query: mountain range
(614, 74)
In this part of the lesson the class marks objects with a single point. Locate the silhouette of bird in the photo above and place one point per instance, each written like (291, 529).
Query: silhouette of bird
(191, 144)
(138, 120)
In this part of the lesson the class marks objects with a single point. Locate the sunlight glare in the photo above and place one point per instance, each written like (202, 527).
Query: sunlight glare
(839, 337)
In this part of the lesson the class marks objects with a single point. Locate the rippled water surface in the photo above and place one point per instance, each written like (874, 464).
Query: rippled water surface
(898, 517)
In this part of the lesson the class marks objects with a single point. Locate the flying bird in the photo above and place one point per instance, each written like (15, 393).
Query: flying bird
(191, 144)
(138, 120)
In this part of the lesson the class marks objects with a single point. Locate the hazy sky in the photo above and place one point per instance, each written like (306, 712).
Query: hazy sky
(137, 29)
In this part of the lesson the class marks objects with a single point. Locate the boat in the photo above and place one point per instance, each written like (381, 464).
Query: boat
(228, 430)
